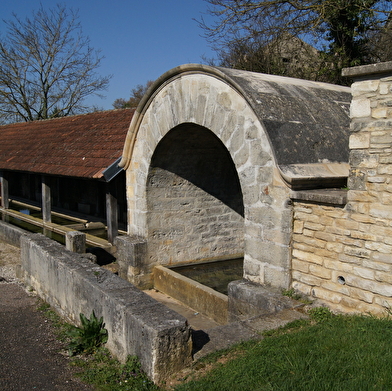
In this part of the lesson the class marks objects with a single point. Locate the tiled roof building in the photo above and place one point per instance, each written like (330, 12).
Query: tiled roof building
(76, 146)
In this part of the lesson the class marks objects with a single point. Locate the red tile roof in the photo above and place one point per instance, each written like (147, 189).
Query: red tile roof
(79, 146)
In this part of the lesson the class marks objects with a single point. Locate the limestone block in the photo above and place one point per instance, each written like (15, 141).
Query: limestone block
(382, 276)
(350, 241)
(350, 303)
(346, 224)
(369, 285)
(357, 252)
(381, 211)
(385, 88)
(307, 257)
(324, 294)
(359, 141)
(334, 286)
(338, 266)
(313, 226)
(300, 265)
(277, 277)
(358, 88)
(298, 226)
(349, 259)
(305, 278)
(327, 237)
(302, 288)
(322, 252)
(320, 271)
(75, 241)
(360, 108)
(363, 272)
(311, 241)
(334, 246)
(377, 264)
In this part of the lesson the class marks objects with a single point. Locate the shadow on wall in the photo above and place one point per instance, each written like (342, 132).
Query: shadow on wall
(195, 154)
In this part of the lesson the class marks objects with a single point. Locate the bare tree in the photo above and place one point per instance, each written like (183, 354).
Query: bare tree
(341, 30)
(47, 67)
(137, 94)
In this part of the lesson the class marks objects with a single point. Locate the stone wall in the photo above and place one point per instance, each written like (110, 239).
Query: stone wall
(194, 199)
(136, 323)
(342, 252)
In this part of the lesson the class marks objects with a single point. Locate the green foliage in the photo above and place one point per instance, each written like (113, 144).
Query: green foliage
(264, 35)
(88, 337)
(289, 327)
(108, 374)
(291, 293)
(320, 314)
(350, 353)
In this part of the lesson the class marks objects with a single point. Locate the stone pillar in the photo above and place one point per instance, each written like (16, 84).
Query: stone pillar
(75, 241)
(371, 137)
(46, 200)
(131, 258)
(4, 190)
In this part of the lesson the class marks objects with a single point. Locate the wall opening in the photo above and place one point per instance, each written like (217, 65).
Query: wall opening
(195, 207)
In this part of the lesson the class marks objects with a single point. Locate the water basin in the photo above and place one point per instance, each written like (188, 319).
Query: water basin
(215, 274)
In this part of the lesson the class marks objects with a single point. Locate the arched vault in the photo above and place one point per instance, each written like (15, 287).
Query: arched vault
(272, 134)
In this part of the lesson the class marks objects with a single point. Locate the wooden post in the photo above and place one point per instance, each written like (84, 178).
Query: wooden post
(111, 213)
(46, 200)
(4, 191)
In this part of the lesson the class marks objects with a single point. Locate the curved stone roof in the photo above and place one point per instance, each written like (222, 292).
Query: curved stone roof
(307, 122)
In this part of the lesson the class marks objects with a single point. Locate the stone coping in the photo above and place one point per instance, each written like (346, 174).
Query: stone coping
(366, 70)
(323, 196)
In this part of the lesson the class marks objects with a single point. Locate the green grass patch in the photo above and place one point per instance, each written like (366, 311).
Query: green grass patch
(108, 374)
(95, 365)
(323, 353)
(328, 353)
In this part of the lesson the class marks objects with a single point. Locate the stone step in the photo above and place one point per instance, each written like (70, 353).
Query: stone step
(222, 337)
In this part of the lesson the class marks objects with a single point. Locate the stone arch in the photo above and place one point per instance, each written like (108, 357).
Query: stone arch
(195, 208)
(263, 122)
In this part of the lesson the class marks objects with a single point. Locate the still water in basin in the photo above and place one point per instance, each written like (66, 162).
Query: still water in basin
(215, 275)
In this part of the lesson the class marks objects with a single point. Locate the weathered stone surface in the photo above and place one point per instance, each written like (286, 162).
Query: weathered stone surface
(136, 323)
(247, 299)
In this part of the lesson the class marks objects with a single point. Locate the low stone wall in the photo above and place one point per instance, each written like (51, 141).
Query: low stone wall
(201, 298)
(11, 234)
(136, 323)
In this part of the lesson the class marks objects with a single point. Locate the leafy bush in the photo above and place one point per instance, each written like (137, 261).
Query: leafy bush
(89, 337)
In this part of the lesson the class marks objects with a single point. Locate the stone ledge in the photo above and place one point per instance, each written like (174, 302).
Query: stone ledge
(136, 323)
(366, 70)
(323, 196)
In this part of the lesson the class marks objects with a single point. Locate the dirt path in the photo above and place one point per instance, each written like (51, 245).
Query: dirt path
(30, 354)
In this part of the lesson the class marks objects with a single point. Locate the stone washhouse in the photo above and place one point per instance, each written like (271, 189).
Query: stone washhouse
(68, 166)
(213, 157)
(221, 163)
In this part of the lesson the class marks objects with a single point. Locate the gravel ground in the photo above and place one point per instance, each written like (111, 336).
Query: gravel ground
(31, 358)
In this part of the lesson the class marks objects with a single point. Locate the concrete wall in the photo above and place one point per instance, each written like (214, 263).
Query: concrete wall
(137, 324)
(342, 253)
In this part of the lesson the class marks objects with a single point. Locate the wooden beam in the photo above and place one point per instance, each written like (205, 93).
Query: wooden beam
(46, 201)
(4, 190)
(111, 214)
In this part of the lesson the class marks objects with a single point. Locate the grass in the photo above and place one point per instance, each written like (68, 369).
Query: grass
(333, 353)
(99, 368)
(325, 353)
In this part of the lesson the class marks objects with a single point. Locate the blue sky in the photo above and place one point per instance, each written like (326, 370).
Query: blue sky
(140, 39)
